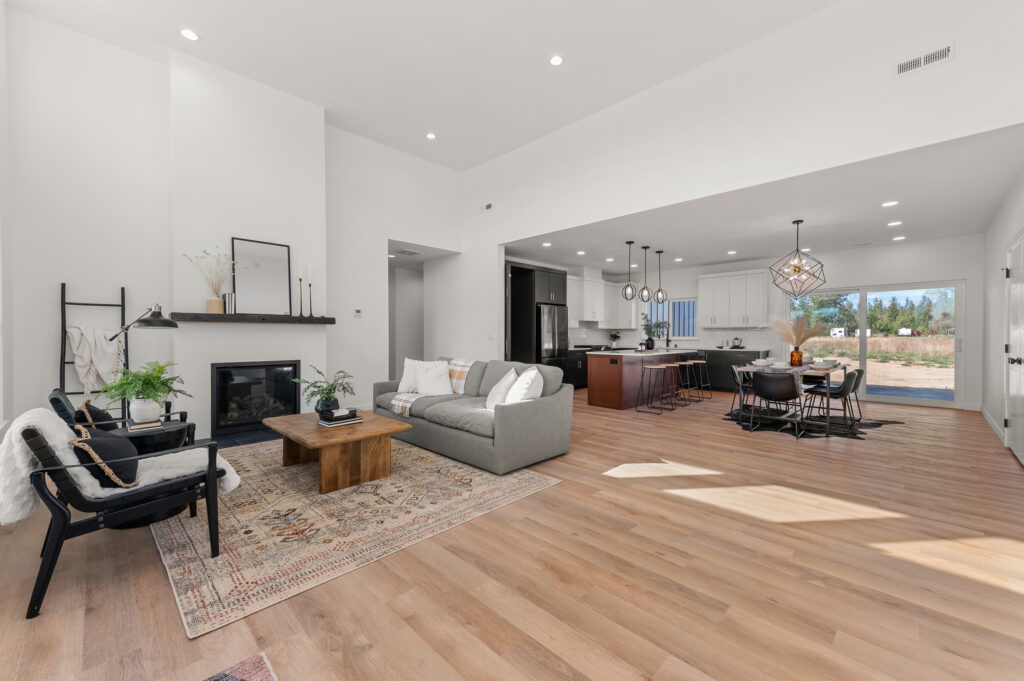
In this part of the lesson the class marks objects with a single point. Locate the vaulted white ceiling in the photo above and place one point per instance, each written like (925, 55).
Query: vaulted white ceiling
(475, 72)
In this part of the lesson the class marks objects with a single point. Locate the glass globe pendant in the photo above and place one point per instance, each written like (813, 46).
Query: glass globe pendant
(660, 296)
(645, 292)
(629, 291)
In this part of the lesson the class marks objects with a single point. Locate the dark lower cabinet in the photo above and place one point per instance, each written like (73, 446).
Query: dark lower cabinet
(720, 363)
(576, 371)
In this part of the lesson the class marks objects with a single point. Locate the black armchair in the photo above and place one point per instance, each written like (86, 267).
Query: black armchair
(66, 410)
(130, 508)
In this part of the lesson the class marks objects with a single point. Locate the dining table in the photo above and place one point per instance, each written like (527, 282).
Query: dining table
(804, 370)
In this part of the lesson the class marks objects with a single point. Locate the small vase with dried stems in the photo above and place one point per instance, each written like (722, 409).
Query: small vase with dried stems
(795, 332)
(215, 267)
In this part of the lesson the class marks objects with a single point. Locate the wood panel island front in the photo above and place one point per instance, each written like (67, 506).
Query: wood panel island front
(613, 376)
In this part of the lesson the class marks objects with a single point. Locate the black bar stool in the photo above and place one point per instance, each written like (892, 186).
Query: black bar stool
(700, 370)
(654, 376)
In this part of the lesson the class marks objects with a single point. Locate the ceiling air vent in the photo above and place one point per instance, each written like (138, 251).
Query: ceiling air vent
(407, 251)
(924, 60)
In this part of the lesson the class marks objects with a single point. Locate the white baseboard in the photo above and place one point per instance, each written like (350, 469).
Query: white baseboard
(997, 426)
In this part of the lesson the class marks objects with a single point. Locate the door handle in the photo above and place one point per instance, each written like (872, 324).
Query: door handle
(1015, 360)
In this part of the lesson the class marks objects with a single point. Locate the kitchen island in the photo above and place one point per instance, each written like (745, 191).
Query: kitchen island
(613, 376)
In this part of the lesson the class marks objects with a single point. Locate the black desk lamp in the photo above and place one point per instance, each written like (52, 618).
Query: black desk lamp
(152, 318)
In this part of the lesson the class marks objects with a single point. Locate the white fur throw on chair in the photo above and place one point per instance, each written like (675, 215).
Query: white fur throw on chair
(18, 499)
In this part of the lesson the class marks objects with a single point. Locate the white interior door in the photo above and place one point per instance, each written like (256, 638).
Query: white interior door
(1014, 384)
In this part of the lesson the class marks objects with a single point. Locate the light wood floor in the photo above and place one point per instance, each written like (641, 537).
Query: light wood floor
(745, 557)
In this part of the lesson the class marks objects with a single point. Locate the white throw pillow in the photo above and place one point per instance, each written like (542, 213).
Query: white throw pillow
(527, 387)
(432, 378)
(500, 390)
(408, 382)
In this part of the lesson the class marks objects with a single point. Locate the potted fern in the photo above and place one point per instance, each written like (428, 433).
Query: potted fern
(146, 389)
(326, 391)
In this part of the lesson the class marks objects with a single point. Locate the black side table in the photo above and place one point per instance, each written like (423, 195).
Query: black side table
(170, 435)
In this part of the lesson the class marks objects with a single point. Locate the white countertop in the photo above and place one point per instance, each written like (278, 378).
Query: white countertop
(630, 352)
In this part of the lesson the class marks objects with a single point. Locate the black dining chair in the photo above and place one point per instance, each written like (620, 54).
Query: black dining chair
(781, 390)
(819, 393)
(861, 380)
(743, 388)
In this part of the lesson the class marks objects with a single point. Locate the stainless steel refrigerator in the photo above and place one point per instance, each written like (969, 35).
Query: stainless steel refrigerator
(553, 335)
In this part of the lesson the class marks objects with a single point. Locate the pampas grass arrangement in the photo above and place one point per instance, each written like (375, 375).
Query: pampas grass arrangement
(795, 331)
(215, 267)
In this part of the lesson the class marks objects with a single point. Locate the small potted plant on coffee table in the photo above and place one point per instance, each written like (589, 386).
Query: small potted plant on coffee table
(146, 389)
(326, 391)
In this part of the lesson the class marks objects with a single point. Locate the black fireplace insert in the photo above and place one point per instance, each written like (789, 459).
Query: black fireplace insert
(245, 393)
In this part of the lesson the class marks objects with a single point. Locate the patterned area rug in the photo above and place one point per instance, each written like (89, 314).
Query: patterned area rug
(279, 536)
(256, 668)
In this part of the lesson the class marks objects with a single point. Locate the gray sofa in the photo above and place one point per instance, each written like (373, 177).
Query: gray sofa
(503, 440)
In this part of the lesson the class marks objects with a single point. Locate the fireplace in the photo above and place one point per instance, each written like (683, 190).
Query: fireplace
(245, 393)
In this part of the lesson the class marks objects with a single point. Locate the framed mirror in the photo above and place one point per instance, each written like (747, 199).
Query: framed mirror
(262, 279)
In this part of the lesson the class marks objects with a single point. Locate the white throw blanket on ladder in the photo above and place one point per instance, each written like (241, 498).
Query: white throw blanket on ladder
(96, 358)
(17, 497)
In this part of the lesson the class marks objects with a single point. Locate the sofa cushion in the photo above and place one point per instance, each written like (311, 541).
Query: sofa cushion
(420, 405)
(468, 414)
(474, 378)
(497, 368)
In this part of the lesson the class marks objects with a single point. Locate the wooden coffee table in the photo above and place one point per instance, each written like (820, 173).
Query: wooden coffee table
(349, 455)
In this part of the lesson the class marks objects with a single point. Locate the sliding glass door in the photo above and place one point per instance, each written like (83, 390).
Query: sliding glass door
(911, 351)
(903, 336)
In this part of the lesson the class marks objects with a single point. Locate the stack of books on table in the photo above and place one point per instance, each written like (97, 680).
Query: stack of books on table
(341, 419)
(144, 426)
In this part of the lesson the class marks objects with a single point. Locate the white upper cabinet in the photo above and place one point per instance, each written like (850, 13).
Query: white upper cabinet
(574, 300)
(619, 313)
(593, 301)
(732, 301)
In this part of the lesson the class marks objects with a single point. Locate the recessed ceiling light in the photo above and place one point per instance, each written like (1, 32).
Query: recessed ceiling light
(679, 259)
(609, 259)
(896, 223)
(556, 60)
(890, 204)
(391, 255)
(898, 238)
(189, 34)
(731, 253)
(546, 244)
(805, 250)
(634, 265)
(431, 136)
(581, 252)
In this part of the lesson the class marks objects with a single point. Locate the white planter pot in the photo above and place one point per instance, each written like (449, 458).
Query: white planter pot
(143, 410)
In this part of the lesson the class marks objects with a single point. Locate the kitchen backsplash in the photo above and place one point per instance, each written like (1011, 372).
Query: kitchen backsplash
(589, 334)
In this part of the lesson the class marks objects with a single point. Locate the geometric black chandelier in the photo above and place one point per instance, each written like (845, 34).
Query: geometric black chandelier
(797, 274)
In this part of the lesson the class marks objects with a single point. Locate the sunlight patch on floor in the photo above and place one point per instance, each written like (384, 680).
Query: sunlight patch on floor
(996, 561)
(664, 469)
(779, 504)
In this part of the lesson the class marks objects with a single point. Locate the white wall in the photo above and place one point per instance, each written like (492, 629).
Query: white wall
(90, 194)
(6, 343)
(1005, 229)
(376, 193)
(817, 94)
(406, 318)
(248, 161)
